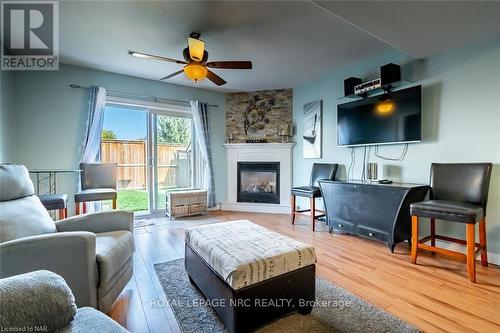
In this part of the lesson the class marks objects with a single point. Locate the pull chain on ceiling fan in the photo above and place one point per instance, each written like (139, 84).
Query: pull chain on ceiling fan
(195, 60)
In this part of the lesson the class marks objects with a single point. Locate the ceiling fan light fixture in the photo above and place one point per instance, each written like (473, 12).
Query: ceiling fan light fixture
(195, 71)
(196, 64)
(196, 48)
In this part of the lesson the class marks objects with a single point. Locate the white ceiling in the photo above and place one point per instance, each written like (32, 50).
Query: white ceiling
(422, 28)
(289, 42)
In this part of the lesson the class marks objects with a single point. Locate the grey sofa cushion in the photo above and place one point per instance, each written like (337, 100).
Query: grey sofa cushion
(24, 217)
(113, 250)
(36, 299)
(108, 292)
(15, 182)
(90, 320)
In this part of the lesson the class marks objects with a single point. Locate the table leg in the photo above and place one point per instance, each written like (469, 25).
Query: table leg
(52, 183)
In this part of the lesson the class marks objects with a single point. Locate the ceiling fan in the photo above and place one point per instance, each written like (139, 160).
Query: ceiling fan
(195, 60)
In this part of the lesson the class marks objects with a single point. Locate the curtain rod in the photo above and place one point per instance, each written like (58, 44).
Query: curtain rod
(154, 98)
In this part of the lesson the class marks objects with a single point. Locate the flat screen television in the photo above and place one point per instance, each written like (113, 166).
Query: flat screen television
(386, 119)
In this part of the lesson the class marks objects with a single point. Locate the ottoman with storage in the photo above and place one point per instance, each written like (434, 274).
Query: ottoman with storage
(254, 274)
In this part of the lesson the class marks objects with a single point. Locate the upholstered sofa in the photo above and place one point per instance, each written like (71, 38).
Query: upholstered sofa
(41, 301)
(92, 252)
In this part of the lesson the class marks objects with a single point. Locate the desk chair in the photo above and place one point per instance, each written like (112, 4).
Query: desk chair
(319, 171)
(98, 182)
(56, 201)
(459, 194)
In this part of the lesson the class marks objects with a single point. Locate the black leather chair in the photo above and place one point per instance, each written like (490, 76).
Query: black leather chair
(55, 201)
(459, 193)
(98, 182)
(319, 171)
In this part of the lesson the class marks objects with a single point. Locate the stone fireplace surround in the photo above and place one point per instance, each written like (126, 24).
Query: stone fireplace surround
(258, 152)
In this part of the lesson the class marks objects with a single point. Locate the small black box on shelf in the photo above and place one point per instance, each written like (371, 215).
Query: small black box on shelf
(349, 85)
(390, 73)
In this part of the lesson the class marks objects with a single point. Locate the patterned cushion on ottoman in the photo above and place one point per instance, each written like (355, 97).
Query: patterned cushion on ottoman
(244, 253)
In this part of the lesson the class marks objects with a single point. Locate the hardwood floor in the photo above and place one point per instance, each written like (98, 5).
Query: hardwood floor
(434, 295)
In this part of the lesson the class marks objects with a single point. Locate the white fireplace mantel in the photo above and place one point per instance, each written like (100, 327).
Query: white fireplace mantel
(258, 152)
(259, 145)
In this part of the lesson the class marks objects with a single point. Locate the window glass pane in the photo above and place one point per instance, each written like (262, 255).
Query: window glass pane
(124, 138)
(174, 155)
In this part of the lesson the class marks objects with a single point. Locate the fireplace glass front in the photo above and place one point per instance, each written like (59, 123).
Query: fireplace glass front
(259, 182)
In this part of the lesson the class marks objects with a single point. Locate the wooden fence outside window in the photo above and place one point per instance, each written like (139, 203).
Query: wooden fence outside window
(174, 163)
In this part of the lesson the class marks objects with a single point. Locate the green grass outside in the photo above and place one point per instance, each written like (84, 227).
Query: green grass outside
(137, 200)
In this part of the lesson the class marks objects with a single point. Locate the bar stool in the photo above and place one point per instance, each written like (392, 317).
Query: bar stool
(319, 171)
(56, 201)
(459, 193)
(98, 182)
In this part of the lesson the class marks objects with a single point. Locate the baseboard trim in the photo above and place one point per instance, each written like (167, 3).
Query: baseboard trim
(493, 258)
(255, 207)
(217, 207)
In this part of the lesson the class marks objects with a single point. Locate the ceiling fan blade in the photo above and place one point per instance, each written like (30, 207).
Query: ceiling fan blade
(172, 75)
(215, 78)
(230, 64)
(152, 56)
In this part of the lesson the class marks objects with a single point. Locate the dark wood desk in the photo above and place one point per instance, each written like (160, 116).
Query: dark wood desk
(368, 209)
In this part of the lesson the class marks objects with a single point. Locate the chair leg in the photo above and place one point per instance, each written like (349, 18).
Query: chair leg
(414, 238)
(77, 208)
(62, 214)
(313, 213)
(433, 232)
(84, 204)
(114, 203)
(482, 242)
(293, 203)
(471, 244)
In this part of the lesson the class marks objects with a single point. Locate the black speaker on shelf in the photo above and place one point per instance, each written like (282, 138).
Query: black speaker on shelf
(349, 85)
(390, 73)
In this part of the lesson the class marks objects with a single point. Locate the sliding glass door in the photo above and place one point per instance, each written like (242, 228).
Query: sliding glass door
(172, 152)
(153, 150)
(124, 142)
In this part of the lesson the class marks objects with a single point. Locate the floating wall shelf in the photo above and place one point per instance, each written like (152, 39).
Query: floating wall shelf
(385, 88)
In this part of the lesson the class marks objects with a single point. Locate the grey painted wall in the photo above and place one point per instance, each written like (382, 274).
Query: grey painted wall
(461, 118)
(6, 115)
(461, 121)
(49, 117)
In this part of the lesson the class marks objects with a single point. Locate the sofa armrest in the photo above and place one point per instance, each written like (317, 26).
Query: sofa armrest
(69, 254)
(98, 222)
(36, 299)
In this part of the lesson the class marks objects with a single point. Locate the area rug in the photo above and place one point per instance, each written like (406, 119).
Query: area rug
(345, 312)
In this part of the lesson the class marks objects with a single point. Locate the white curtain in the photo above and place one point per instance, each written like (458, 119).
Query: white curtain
(95, 118)
(201, 122)
(92, 142)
